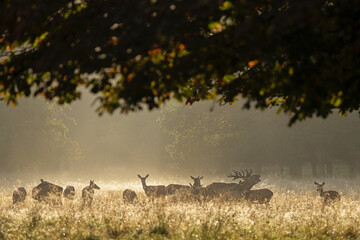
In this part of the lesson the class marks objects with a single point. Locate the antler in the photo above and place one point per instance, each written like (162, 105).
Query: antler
(241, 174)
(248, 173)
(237, 175)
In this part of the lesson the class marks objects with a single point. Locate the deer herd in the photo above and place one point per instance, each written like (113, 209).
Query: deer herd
(51, 193)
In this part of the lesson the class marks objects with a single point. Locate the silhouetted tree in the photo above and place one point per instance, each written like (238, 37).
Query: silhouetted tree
(299, 55)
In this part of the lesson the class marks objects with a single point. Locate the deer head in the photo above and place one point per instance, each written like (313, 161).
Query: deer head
(143, 180)
(247, 180)
(93, 185)
(319, 187)
(197, 182)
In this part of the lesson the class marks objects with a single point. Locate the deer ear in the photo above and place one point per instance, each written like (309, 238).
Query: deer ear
(42, 180)
(323, 183)
(316, 183)
(91, 182)
(139, 176)
(190, 184)
(201, 177)
(147, 175)
(192, 178)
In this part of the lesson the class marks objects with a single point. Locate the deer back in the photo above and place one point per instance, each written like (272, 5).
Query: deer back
(69, 192)
(219, 188)
(155, 191)
(330, 195)
(129, 195)
(46, 191)
(19, 195)
(171, 189)
(259, 195)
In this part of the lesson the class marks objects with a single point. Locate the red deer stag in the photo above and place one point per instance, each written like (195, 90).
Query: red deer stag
(327, 196)
(247, 181)
(69, 193)
(88, 193)
(47, 192)
(152, 191)
(19, 195)
(129, 196)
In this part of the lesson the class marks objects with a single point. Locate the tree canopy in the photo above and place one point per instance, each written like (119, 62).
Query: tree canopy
(302, 56)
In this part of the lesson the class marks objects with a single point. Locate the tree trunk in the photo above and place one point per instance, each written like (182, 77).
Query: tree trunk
(353, 171)
(295, 170)
(321, 169)
(329, 169)
(314, 169)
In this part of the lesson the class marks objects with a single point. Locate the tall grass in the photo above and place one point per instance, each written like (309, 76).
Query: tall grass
(295, 212)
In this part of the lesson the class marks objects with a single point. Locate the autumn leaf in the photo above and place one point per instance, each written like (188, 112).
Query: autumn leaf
(253, 63)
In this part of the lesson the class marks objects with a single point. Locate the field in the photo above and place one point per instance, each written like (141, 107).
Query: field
(295, 212)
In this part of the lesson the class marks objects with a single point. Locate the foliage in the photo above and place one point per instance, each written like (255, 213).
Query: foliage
(299, 55)
(199, 137)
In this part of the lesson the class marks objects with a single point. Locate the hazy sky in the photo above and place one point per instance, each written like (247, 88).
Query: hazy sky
(173, 140)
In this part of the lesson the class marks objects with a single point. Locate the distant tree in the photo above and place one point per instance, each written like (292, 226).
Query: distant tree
(200, 139)
(300, 55)
(35, 138)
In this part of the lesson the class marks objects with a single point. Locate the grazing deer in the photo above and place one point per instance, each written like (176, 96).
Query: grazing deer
(247, 181)
(69, 192)
(327, 196)
(129, 196)
(259, 195)
(152, 191)
(19, 195)
(198, 189)
(88, 193)
(47, 192)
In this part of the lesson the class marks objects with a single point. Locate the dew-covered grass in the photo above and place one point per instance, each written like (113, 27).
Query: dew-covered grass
(295, 212)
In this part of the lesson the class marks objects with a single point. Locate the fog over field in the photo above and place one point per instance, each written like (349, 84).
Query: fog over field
(68, 143)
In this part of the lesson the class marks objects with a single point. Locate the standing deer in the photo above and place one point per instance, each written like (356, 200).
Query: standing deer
(247, 181)
(152, 191)
(47, 192)
(129, 196)
(19, 195)
(69, 192)
(197, 188)
(327, 196)
(88, 193)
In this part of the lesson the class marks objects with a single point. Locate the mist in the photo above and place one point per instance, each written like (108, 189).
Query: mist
(71, 142)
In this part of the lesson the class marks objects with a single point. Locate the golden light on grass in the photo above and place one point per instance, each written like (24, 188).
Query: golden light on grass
(290, 214)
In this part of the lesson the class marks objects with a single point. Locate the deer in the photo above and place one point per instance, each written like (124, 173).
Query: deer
(129, 196)
(260, 195)
(327, 196)
(247, 181)
(69, 193)
(47, 192)
(19, 195)
(172, 189)
(88, 193)
(198, 189)
(152, 191)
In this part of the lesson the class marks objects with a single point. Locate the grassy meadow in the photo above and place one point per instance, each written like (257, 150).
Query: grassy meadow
(294, 212)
